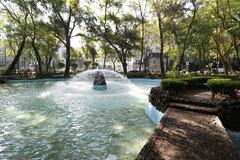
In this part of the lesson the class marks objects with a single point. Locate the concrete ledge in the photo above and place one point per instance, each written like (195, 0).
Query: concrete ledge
(186, 135)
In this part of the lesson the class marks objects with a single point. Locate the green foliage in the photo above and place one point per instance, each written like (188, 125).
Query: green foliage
(170, 74)
(94, 65)
(61, 65)
(86, 63)
(173, 85)
(224, 86)
(136, 74)
(215, 33)
(196, 82)
(74, 66)
(45, 75)
(141, 74)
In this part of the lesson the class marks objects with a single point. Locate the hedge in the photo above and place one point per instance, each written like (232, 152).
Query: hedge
(173, 85)
(135, 74)
(141, 74)
(196, 82)
(218, 86)
(224, 86)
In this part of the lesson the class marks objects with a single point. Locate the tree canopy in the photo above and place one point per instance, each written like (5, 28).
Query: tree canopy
(203, 31)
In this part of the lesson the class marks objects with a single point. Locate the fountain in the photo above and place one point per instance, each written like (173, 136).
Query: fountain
(99, 82)
(71, 120)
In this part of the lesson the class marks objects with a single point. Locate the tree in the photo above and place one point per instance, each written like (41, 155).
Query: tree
(185, 40)
(141, 7)
(64, 18)
(92, 52)
(200, 38)
(47, 43)
(121, 33)
(105, 6)
(31, 8)
(19, 19)
(160, 11)
(125, 38)
(111, 53)
(224, 38)
(236, 30)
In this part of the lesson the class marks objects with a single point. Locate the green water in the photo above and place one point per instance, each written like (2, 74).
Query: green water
(70, 120)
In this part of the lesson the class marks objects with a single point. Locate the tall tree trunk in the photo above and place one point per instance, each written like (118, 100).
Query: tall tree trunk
(142, 44)
(162, 45)
(167, 63)
(46, 63)
(124, 65)
(123, 60)
(113, 62)
(222, 56)
(36, 50)
(114, 66)
(236, 47)
(18, 65)
(225, 67)
(181, 56)
(105, 57)
(105, 31)
(225, 64)
(16, 58)
(68, 58)
(38, 57)
(49, 62)
(93, 62)
(230, 69)
(53, 65)
(200, 60)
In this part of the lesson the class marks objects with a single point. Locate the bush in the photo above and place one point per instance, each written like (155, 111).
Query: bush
(170, 74)
(224, 86)
(141, 74)
(153, 76)
(176, 85)
(135, 74)
(196, 82)
(173, 85)
(45, 75)
(74, 66)
(222, 76)
(61, 65)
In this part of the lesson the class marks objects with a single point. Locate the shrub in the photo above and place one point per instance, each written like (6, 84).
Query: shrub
(153, 76)
(74, 66)
(170, 74)
(141, 74)
(173, 85)
(224, 86)
(61, 65)
(135, 74)
(222, 76)
(196, 82)
(45, 75)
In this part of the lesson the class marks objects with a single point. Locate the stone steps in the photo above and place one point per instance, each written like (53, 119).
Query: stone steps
(194, 108)
(193, 101)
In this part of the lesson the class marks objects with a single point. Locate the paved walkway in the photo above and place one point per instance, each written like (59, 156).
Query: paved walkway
(185, 135)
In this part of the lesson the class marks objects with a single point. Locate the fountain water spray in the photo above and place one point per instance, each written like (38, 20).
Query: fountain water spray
(99, 82)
